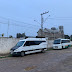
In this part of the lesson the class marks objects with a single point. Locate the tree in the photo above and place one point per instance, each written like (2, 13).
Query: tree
(10, 36)
(71, 37)
(19, 35)
(67, 36)
(2, 34)
(23, 34)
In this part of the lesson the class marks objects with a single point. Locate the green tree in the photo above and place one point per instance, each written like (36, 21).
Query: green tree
(10, 36)
(2, 34)
(19, 35)
(67, 37)
(71, 37)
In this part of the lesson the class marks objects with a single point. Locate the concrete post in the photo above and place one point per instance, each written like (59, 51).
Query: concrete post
(47, 41)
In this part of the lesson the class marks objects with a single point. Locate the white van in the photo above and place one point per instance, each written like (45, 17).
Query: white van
(29, 45)
(61, 43)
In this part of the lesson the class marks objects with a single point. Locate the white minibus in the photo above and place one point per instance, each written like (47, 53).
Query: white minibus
(61, 43)
(29, 45)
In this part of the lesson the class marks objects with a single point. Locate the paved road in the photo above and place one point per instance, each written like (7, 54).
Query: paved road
(51, 61)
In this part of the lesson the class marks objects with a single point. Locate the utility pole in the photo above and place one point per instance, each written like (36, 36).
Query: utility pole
(41, 25)
(70, 38)
(42, 21)
(8, 28)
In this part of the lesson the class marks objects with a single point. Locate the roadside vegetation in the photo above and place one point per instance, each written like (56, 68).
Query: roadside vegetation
(5, 56)
(49, 49)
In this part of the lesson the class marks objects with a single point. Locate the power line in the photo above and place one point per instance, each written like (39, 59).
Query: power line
(19, 25)
(61, 18)
(16, 21)
(4, 18)
(16, 25)
(26, 26)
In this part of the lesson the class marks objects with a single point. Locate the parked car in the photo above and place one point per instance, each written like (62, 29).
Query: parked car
(61, 43)
(29, 45)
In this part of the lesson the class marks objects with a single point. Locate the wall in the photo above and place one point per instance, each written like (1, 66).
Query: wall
(7, 43)
(71, 42)
(50, 43)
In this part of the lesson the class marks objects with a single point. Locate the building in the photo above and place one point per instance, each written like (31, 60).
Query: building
(52, 33)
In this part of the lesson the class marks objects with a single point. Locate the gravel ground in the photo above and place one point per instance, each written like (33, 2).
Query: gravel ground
(51, 61)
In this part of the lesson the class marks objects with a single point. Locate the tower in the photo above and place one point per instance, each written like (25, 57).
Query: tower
(61, 29)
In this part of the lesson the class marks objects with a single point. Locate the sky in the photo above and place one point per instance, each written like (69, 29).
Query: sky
(20, 15)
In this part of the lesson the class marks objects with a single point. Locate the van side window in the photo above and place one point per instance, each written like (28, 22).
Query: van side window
(65, 41)
(68, 41)
(32, 43)
(29, 43)
(38, 42)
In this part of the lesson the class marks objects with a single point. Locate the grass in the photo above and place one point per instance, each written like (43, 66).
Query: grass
(49, 49)
(9, 55)
(71, 45)
(5, 56)
(2, 57)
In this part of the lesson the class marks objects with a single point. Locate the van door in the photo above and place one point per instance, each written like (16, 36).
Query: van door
(29, 47)
(32, 46)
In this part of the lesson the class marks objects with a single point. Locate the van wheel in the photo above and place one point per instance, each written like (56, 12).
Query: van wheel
(62, 47)
(42, 50)
(68, 46)
(22, 54)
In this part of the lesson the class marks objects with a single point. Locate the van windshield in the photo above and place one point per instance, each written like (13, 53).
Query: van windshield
(57, 41)
(20, 43)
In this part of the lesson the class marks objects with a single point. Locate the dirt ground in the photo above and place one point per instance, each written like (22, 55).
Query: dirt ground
(50, 61)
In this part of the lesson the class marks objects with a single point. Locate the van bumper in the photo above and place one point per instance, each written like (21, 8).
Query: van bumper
(16, 53)
(57, 47)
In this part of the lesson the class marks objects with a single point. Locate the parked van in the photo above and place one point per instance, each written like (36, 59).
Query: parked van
(61, 43)
(29, 45)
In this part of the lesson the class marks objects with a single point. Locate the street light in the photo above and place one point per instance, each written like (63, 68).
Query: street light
(44, 13)
(42, 22)
(36, 21)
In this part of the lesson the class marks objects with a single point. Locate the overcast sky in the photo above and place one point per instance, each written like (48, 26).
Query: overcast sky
(27, 11)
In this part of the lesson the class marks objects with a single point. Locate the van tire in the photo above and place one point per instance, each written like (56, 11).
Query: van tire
(22, 54)
(68, 46)
(43, 51)
(62, 47)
